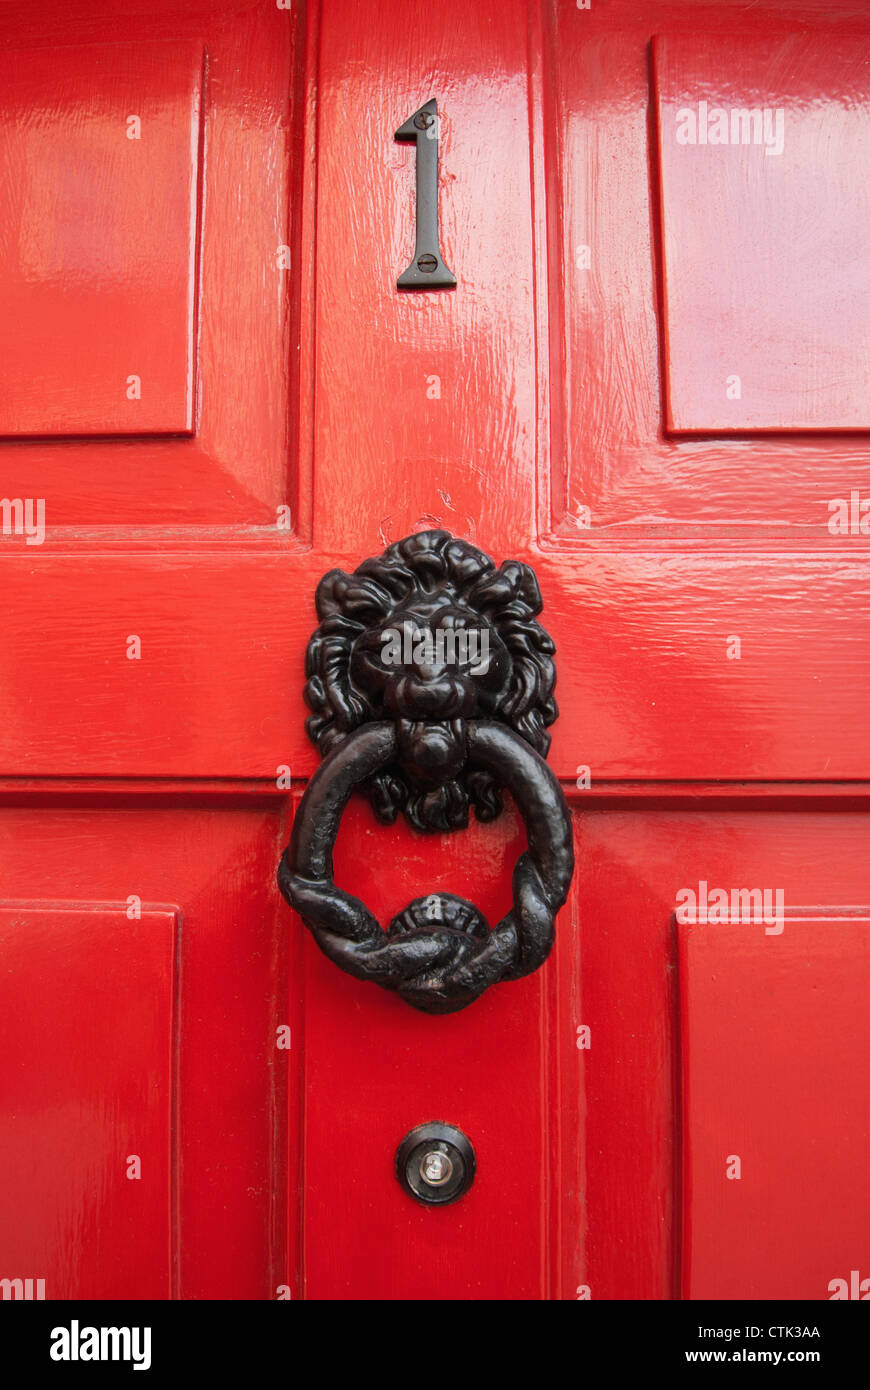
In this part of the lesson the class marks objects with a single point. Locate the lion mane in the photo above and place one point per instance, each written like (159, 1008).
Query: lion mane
(507, 598)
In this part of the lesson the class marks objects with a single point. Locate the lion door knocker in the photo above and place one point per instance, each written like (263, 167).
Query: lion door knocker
(431, 686)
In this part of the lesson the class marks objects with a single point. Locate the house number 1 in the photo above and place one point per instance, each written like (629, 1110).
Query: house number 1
(427, 270)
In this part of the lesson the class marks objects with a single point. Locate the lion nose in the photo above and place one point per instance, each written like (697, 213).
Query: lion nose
(429, 667)
(413, 696)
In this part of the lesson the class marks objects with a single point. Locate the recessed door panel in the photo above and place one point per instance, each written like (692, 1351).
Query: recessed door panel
(99, 161)
(149, 338)
(776, 1116)
(89, 1009)
(765, 207)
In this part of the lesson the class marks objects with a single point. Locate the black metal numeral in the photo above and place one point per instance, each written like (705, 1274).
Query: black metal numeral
(427, 270)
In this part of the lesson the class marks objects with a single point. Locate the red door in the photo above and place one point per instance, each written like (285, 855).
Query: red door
(649, 385)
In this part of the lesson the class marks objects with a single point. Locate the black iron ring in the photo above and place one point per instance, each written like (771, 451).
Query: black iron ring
(439, 955)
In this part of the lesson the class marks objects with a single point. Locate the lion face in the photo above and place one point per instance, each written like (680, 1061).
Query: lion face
(430, 635)
(434, 658)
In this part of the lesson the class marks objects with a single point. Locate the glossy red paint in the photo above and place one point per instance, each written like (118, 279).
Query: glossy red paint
(99, 147)
(526, 410)
(761, 145)
(121, 1024)
(88, 1014)
(776, 1119)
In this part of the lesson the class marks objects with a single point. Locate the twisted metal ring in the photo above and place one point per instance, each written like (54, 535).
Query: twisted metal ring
(439, 954)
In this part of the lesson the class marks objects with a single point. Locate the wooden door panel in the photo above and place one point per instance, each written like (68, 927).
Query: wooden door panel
(425, 404)
(83, 350)
(217, 664)
(776, 1117)
(221, 664)
(97, 1038)
(375, 1069)
(717, 1030)
(89, 1010)
(781, 704)
(170, 257)
(761, 145)
(618, 476)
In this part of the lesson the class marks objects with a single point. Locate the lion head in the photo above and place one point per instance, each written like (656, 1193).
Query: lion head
(430, 635)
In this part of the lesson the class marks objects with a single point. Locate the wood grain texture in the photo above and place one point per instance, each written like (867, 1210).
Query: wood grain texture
(641, 641)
